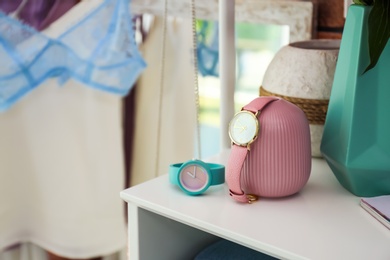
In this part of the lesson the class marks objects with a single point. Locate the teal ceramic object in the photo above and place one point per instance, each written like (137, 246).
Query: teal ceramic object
(356, 138)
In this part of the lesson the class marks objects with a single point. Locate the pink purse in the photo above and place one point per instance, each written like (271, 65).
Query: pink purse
(271, 150)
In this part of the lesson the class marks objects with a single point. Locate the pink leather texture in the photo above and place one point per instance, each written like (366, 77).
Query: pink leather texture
(233, 171)
(279, 161)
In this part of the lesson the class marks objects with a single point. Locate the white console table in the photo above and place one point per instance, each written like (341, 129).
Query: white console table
(323, 221)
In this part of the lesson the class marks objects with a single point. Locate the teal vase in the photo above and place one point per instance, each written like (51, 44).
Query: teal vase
(356, 138)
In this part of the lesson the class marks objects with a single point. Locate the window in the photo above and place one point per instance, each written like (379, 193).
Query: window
(256, 45)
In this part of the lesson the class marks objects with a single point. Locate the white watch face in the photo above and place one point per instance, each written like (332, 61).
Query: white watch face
(243, 128)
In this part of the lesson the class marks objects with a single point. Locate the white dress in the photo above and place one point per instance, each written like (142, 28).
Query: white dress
(61, 171)
(62, 167)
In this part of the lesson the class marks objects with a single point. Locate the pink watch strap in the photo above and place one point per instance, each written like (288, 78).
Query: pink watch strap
(238, 155)
(259, 103)
(236, 160)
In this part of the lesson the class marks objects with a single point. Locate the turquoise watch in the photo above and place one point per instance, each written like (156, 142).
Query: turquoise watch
(194, 177)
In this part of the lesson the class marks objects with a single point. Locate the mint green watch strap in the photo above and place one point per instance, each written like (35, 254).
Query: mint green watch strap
(173, 172)
(218, 172)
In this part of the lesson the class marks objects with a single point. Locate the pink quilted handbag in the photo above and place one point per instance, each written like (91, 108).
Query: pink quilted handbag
(271, 150)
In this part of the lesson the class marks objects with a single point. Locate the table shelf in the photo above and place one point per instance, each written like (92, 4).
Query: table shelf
(323, 221)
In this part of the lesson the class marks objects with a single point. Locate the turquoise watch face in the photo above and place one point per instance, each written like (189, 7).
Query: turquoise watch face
(194, 178)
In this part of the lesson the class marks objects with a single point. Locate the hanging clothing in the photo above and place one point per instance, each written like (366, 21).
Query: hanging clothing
(178, 102)
(36, 13)
(61, 148)
(98, 50)
(41, 13)
(10, 5)
(208, 49)
(61, 171)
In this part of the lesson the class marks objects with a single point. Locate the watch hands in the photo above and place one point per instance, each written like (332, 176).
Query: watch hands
(243, 128)
(201, 180)
(192, 175)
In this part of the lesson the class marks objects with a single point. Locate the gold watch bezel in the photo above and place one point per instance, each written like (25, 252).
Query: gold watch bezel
(257, 125)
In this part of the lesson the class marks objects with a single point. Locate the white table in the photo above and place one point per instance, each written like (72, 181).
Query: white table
(323, 221)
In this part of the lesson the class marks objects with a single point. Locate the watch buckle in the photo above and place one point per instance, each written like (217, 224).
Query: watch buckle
(251, 198)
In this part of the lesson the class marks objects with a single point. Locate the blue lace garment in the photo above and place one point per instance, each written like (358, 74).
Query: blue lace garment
(207, 49)
(98, 51)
